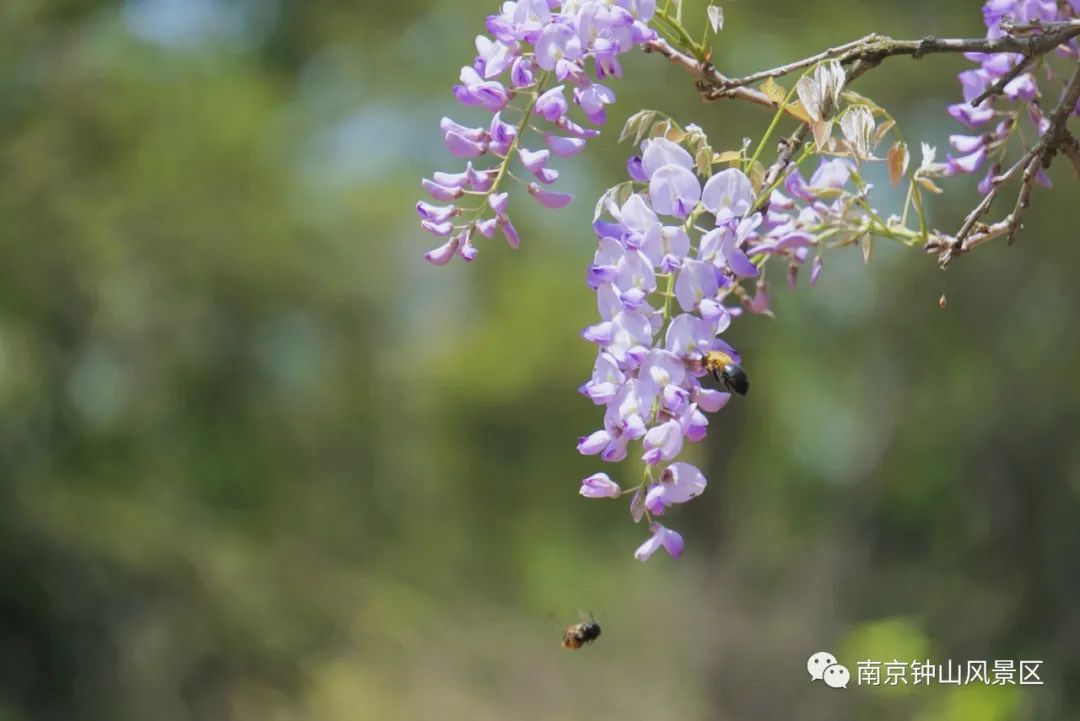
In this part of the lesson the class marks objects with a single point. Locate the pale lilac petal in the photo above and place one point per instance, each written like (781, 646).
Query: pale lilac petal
(462, 147)
(550, 198)
(628, 330)
(556, 42)
(509, 231)
(487, 227)
(448, 125)
(599, 333)
(694, 424)
(729, 189)
(966, 143)
(671, 542)
(451, 180)
(966, 163)
(444, 253)
(592, 99)
(686, 335)
(441, 229)
(741, 265)
(971, 116)
(521, 74)
(440, 192)
(600, 485)
(761, 302)
(637, 506)
(683, 482)
(674, 190)
(574, 129)
(552, 104)
(831, 174)
(480, 180)
(714, 311)
(696, 281)
(564, 147)
(660, 152)
(499, 202)
(435, 213)
(1021, 88)
(662, 443)
(647, 549)
(662, 368)
(711, 400)
(533, 160)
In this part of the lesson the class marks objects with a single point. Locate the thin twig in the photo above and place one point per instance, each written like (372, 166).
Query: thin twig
(707, 74)
(1055, 139)
(1007, 78)
(995, 186)
(1023, 198)
(783, 70)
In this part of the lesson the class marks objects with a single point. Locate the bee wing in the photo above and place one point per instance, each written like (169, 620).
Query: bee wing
(586, 616)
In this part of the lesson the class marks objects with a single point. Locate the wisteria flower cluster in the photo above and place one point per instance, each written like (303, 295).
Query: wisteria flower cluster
(541, 52)
(677, 255)
(650, 356)
(981, 111)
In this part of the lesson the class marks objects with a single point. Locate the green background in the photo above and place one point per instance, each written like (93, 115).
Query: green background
(258, 460)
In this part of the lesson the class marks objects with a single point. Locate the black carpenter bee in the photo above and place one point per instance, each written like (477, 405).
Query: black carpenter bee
(581, 634)
(726, 372)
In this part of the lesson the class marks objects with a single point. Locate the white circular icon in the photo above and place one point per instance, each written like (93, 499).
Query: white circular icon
(817, 664)
(837, 676)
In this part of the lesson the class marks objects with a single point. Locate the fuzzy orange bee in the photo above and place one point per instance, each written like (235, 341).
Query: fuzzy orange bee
(726, 371)
(581, 634)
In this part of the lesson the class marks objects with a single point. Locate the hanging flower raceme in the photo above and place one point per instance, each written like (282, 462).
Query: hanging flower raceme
(531, 67)
(681, 252)
(663, 302)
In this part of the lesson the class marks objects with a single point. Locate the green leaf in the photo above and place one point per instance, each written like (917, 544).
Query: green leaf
(898, 162)
(716, 17)
(703, 160)
(636, 124)
(616, 195)
(773, 90)
(728, 156)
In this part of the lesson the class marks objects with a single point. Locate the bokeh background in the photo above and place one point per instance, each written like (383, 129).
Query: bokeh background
(260, 461)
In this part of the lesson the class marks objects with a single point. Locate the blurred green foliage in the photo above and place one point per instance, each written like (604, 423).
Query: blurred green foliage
(260, 461)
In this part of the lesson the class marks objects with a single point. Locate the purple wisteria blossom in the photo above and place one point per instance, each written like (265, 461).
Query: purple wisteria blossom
(678, 257)
(992, 121)
(671, 542)
(538, 58)
(651, 343)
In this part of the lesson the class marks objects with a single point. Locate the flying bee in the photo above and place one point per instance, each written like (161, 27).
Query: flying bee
(726, 371)
(581, 634)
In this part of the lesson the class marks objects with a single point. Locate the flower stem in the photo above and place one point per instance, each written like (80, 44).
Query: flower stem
(520, 128)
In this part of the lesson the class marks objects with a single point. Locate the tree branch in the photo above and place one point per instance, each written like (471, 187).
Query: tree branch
(783, 70)
(1070, 148)
(708, 76)
(1031, 40)
(1056, 138)
(1007, 78)
(866, 53)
